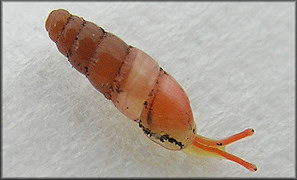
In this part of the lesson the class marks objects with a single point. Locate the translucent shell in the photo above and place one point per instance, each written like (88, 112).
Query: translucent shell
(84, 46)
(56, 22)
(106, 62)
(68, 35)
(132, 86)
(129, 77)
(167, 116)
(144, 92)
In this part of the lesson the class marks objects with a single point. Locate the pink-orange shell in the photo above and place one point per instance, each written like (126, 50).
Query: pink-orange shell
(129, 77)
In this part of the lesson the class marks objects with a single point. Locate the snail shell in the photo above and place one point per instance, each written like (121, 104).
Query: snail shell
(127, 76)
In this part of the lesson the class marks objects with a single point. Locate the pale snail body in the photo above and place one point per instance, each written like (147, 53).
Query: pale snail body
(136, 84)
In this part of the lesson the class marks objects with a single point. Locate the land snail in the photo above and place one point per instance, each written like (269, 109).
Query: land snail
(136, 85)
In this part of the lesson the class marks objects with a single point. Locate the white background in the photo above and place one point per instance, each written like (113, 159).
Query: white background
(234, 60)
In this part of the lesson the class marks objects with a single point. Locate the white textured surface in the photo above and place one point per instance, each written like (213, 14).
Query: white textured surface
(234, 60)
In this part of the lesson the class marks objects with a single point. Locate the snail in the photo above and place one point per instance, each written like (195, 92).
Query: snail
(137, 86)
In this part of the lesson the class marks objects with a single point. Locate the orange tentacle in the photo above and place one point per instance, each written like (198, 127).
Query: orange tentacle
(226, 155)
(226, 141)
(236, 137)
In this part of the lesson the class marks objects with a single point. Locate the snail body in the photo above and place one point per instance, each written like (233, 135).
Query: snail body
(136, 84)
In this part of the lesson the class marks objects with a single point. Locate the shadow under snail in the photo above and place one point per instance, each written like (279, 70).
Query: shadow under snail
(136, 85)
